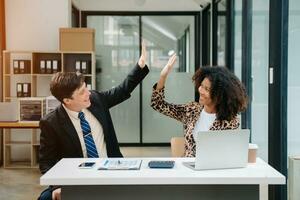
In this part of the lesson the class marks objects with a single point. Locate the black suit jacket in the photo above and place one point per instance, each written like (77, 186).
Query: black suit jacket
(59, 138)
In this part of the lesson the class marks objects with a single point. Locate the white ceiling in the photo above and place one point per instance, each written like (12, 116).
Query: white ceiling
(140, 5)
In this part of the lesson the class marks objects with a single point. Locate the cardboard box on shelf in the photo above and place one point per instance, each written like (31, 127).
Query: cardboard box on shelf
(76, 39)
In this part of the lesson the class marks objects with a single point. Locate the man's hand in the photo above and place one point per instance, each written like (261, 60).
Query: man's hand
(169, 66)
(143, 57)
(56, 194)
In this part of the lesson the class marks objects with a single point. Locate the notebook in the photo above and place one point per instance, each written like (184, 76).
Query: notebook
(221, 149)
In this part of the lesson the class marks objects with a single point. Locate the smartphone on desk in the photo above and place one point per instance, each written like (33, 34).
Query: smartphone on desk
(86, 165)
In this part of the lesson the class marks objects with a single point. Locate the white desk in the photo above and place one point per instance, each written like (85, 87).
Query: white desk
(177, 183)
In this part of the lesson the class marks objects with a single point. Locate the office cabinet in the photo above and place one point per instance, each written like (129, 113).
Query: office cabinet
(294, 178)
(28, 74)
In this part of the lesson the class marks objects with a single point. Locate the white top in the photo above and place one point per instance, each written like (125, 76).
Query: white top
(204, 122)
(66, 172)
(96, 130)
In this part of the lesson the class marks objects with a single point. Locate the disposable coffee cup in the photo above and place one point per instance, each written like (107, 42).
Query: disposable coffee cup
(252, 153)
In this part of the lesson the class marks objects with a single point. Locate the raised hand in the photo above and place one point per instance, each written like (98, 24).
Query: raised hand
(169, 66)
(143, 56)
(165, 72)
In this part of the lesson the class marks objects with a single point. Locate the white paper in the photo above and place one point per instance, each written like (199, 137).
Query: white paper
(25, 87)
(19, 87)
(83, 65)
(42, 64)
(16, 64)
(22, 65)
(77, 65)
(48, 64)
(117, 164)
(54, 64)
(89, 86)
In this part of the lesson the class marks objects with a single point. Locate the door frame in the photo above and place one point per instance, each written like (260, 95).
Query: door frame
(278, 70)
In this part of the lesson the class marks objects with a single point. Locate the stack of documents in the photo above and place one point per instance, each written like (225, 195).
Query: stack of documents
(117, 164)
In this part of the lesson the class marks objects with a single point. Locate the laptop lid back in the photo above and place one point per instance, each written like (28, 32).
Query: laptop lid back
(222, 149)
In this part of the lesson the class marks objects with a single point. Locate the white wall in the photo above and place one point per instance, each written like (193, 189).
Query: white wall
(138, 5)
(34, 24)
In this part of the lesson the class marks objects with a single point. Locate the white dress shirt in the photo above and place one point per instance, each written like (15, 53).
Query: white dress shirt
(96, 130)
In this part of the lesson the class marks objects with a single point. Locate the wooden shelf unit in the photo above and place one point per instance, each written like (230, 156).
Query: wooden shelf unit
(39, 82)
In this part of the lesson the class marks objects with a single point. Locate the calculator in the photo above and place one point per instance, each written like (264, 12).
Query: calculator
(161, 164)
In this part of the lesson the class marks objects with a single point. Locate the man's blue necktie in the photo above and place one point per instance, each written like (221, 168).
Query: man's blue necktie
(88, 138)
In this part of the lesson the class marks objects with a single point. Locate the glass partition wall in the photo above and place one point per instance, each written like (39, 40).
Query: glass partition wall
(221, 58)
(260, 66)
(293, 137)
(117, 51)
(238, 39)
(118, 42)
(166, 35)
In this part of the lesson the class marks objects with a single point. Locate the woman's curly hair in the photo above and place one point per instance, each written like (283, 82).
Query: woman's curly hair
(227, 92)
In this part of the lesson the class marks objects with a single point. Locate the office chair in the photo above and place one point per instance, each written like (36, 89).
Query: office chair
(177, 146)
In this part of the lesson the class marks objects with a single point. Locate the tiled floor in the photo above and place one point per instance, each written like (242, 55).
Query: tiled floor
(23, 184)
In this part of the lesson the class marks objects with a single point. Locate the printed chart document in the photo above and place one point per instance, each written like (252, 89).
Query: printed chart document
(120, 164)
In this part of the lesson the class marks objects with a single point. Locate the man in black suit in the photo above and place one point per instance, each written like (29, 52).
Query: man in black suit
(62, 134)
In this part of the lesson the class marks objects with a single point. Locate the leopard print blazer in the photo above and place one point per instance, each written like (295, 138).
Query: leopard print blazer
(188, 114)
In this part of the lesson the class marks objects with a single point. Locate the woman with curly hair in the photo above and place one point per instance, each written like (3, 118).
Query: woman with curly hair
(222, 97)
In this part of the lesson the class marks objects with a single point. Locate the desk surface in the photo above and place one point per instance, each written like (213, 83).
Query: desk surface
(19, 124)
(66, 172)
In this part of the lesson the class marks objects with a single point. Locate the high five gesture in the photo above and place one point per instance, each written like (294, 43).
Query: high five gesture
(143, 56)
(165, 72)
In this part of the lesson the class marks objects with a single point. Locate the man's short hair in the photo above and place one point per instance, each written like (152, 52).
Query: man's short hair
(63, 84)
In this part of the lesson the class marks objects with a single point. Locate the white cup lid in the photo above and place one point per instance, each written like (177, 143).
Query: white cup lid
(253, 146)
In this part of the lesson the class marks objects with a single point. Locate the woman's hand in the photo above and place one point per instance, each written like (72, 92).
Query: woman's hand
(165, 72)
(169, 66)
(143, 56)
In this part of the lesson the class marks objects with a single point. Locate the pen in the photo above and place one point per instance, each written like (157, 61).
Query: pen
(105, 162)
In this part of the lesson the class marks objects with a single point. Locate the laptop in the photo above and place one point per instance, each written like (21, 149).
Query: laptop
(221, 149)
